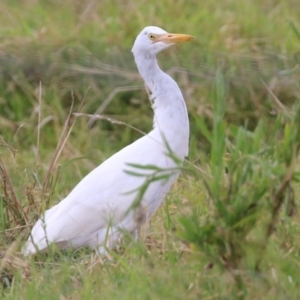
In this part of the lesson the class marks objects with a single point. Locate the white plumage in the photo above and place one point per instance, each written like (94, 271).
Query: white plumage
(99, 209)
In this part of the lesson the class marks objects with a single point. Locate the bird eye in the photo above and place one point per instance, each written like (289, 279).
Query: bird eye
(151, 36)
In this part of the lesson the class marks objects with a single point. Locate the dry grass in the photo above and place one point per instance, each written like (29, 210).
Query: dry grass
(68, 78)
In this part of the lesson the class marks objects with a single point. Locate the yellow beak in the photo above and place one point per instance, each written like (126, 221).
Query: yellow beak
(172, 38)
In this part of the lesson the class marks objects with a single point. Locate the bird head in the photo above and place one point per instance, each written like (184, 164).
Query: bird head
(153, 40)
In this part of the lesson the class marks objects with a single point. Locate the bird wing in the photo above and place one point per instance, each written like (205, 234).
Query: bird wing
(104, 195)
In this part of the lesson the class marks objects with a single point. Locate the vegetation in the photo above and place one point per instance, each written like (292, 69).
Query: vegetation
(229, 229)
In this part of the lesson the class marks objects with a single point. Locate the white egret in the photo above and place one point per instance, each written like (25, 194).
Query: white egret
(100, 208)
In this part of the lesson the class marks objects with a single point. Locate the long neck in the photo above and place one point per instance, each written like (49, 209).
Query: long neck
(170, 113)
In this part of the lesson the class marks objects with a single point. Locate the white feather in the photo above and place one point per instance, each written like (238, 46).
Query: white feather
(98, 209)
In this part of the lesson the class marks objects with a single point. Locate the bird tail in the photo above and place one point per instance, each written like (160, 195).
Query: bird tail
(29, 248)
(38, 239)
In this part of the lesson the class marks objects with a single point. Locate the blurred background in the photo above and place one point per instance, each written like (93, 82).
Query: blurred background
(72, 45)
(54, 53)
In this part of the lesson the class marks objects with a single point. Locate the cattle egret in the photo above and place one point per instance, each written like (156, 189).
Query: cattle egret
(104, 204)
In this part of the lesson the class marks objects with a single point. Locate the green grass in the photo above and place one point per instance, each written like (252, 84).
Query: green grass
(229, 229)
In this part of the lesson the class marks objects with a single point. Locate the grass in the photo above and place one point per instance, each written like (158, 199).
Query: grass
(229, 229)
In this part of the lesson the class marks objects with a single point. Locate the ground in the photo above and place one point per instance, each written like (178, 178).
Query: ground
(229, 228)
